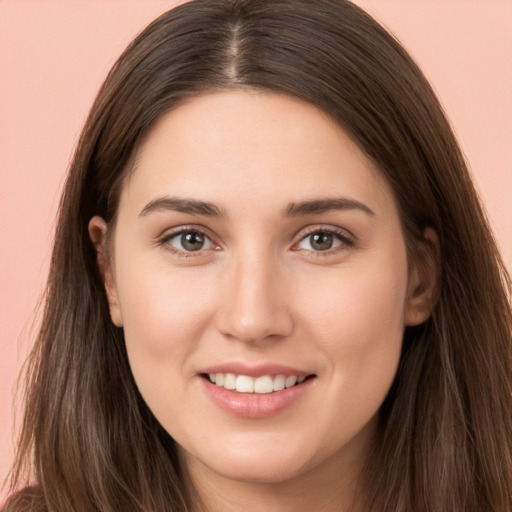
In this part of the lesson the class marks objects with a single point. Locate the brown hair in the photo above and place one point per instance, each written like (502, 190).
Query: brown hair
(89, 442)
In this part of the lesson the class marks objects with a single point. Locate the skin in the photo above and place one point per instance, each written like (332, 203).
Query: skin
(259, 290)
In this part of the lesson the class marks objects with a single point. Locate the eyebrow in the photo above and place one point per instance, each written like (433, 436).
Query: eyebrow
(189, 206)
(317, 206)
(196, 207)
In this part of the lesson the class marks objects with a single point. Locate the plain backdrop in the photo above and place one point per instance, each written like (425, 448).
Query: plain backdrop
(55, 54)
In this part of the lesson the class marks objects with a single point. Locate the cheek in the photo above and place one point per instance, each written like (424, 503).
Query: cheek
(156, 302)
(357, 320)
(357, 324)
(164, 315)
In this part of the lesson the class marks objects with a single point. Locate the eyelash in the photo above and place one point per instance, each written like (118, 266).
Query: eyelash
(164, 242)
(346, 241)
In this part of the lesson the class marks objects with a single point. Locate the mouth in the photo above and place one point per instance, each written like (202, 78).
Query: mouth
(262, 385)
(256, 391)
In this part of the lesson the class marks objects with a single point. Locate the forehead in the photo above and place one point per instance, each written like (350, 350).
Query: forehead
(249, 147)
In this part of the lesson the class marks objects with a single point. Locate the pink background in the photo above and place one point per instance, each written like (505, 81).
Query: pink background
(55, 54)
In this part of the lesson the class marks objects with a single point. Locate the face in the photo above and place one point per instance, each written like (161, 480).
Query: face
(259, 271)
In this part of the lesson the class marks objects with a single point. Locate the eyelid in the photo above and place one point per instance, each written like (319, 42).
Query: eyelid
(169, 234)
(347, 238)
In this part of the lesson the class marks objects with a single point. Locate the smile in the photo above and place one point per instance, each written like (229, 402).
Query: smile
(261, 385)
(262, 395)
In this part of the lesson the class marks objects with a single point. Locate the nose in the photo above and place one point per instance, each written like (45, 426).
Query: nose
(255, 306)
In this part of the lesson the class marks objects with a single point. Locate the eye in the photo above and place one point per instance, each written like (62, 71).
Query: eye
(323, 240)
(188, 240)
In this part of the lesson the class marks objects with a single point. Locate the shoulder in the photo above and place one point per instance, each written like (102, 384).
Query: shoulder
(29, 499)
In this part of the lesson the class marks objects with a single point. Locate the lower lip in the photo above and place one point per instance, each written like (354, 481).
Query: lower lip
(255, 405)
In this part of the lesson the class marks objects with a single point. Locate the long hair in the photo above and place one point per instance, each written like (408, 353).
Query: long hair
(89, 442)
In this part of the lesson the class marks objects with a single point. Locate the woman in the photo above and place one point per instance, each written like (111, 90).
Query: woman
(272, 286)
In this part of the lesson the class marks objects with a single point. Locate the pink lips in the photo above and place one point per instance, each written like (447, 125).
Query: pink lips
(255, 370)
(254, 405)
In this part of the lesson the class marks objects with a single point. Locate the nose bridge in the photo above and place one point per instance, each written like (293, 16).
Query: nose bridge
(255, 306)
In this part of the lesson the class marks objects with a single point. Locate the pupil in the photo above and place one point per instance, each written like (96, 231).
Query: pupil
(321, 241)
(192, 241)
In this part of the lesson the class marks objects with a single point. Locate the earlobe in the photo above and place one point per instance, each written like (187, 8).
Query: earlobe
(424, 279)
(98, 234)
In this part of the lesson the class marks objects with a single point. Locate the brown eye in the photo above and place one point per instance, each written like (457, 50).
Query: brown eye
(192, 241)
(319, 241)
(189, 241)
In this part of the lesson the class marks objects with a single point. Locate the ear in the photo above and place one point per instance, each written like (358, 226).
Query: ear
(424, 279)
(98, 234)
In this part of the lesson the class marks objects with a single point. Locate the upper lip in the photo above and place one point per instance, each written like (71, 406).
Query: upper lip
(255, 370)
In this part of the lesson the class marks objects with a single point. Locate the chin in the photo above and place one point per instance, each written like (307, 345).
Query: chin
(252, 465)
(273, 471)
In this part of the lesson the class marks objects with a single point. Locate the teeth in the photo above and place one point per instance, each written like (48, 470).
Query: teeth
(244, 384)
(279, 382)
(264, 385)
(260, 385)
(290, 381)
(230, 381)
